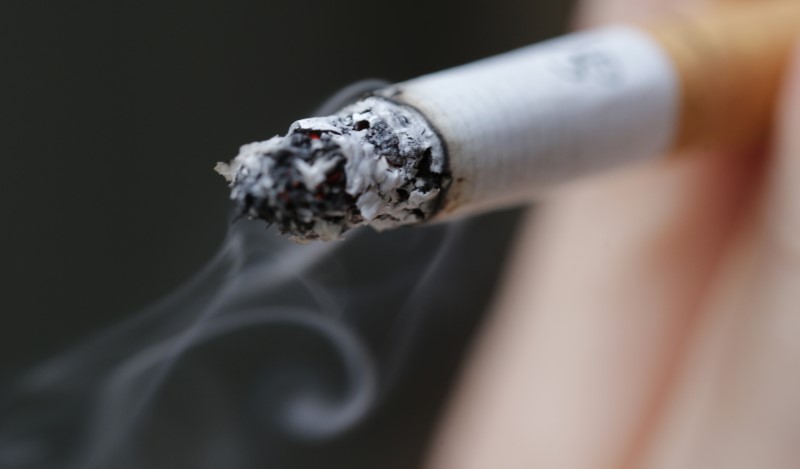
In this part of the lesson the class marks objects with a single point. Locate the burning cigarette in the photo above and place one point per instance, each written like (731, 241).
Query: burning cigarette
(502, 130)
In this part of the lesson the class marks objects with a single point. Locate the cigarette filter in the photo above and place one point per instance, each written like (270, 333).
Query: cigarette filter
(504, 129)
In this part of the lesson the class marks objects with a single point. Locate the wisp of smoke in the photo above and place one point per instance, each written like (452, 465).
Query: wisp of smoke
(275, 355)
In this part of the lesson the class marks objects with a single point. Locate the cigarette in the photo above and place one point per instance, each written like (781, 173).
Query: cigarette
(503, 130)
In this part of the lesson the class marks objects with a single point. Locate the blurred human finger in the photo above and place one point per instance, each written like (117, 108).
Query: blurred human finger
(736, 405)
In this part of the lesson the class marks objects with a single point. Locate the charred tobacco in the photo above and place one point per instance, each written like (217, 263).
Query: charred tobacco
(376, 162)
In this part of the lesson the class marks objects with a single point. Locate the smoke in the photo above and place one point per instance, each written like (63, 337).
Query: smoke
(274, 355)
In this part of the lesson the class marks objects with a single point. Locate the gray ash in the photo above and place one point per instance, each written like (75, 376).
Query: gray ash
(293, 206)
(375, 162)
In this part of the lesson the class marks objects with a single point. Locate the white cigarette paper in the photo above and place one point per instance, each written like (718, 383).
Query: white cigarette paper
(516, 124)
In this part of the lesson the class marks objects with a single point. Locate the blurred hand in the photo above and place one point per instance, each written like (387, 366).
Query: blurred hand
(651, 318)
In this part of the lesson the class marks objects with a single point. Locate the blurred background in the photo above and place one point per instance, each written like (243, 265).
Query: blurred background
(113, 116)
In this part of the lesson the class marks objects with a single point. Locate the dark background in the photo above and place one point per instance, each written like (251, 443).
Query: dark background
(113, 114)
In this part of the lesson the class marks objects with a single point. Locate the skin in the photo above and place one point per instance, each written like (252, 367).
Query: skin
(651, 317)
